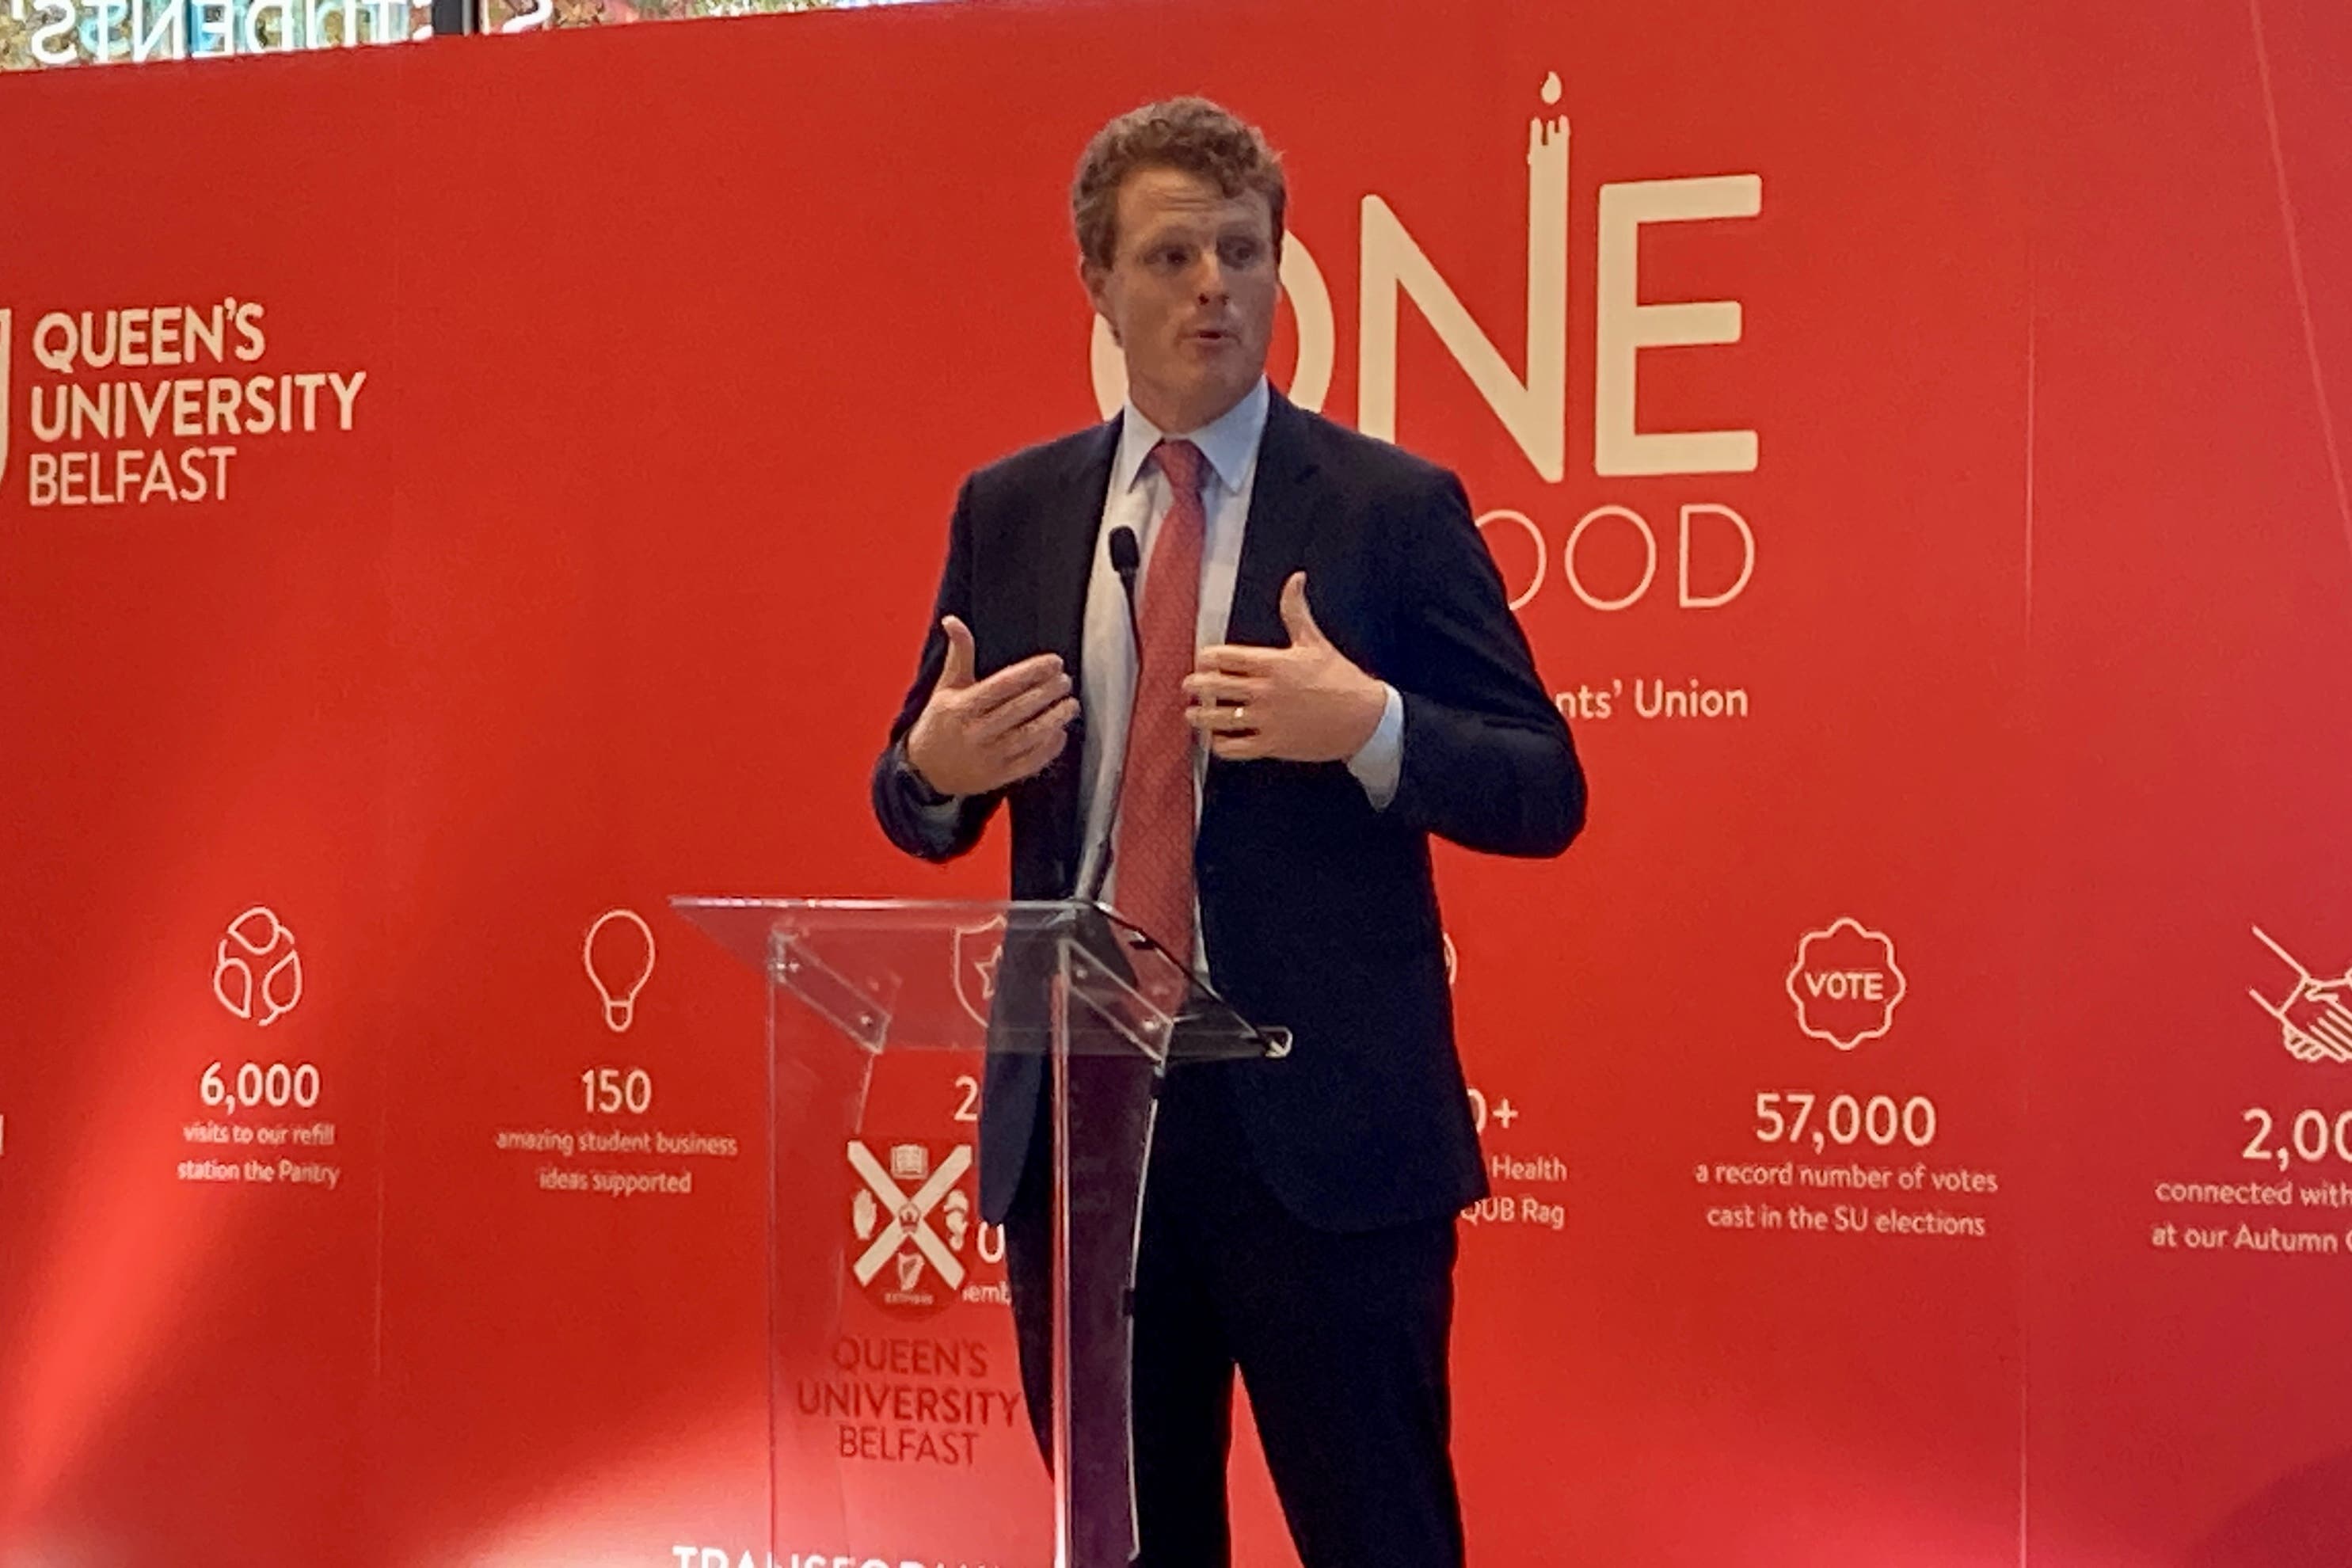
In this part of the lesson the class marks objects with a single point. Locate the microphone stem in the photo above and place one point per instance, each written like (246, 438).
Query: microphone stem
(1110, 819)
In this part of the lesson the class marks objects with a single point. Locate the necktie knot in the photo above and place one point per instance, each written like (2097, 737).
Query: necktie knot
(1181, 461)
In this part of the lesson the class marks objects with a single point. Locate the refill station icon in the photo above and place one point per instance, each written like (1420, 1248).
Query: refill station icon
(257, 969)
(618, 954)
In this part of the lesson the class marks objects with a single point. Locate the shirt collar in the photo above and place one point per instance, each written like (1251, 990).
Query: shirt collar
(1229, 442)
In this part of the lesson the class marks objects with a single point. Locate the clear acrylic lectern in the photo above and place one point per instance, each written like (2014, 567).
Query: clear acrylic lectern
(922, 1053)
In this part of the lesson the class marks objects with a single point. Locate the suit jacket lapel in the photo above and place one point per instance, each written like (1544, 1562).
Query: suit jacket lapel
(1274, 545)
(1069, 517)
(1274, 540)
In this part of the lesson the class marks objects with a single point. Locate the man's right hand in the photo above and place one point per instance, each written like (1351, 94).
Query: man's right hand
(975, 736)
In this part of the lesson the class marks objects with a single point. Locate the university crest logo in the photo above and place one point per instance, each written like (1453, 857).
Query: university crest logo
(912, 1217)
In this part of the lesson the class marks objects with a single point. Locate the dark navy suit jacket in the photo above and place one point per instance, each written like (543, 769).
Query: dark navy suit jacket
(1317, 910)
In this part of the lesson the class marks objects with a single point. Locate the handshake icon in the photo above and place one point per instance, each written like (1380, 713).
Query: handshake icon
(2316, 1017)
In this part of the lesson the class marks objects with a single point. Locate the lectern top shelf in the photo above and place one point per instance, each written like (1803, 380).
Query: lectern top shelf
(959, 974)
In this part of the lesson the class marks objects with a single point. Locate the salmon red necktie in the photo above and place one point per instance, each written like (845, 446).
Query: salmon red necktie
(1153, 853)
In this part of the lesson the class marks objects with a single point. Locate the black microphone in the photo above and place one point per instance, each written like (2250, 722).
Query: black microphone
(1126, 556)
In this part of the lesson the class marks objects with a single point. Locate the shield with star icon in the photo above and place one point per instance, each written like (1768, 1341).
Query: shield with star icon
(978, 951)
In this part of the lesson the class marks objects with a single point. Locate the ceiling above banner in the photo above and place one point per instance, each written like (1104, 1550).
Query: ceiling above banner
(42, 34)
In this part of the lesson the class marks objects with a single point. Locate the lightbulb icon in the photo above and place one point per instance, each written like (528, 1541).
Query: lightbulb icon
(619, 964)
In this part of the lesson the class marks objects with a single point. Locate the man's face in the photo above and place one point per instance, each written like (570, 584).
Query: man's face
(1189, 295)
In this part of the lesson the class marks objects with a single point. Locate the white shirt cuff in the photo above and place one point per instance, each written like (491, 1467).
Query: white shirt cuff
(1380, 759)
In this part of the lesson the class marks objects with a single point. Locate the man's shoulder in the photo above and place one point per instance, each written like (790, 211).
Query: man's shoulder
(1350, 458)
(1044, 465)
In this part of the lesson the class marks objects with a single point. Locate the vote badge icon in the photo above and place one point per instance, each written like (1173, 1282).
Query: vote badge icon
(1845, 984)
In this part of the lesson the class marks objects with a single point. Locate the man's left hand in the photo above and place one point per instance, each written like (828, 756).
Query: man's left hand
(1304, 703)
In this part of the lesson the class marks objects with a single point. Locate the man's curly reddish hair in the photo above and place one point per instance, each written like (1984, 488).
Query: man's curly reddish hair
(1191, 135)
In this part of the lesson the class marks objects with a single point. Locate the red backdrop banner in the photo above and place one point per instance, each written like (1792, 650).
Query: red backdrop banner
(452, 499)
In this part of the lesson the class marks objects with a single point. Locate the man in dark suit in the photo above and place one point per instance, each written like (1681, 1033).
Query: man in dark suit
(1322, 673)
